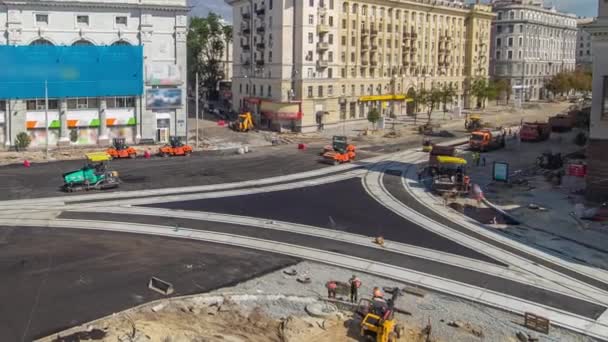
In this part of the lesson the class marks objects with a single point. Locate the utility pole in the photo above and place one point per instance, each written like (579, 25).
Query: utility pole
(196, 107)
(46, 117)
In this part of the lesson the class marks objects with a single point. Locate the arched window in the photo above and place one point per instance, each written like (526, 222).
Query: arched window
(41, 41)
(121, 43)
(82, 42)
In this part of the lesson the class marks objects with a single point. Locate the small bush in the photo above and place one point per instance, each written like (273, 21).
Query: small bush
(22, 141)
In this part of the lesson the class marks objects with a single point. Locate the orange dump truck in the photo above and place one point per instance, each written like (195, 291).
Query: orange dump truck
(485, 140)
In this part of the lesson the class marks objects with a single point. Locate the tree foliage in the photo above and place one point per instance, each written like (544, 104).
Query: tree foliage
(432, 98)
(484, 90)
(564, 82)
(207, 39)
(373, 116)
(503, 87)
(23, 140)
(447, 95)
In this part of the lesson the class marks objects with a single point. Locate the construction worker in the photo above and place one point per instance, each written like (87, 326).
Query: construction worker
(379, 305)
(355, 284)
(378, 295)
(331, 289)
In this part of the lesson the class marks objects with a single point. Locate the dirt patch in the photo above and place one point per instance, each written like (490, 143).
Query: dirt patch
(221, 321)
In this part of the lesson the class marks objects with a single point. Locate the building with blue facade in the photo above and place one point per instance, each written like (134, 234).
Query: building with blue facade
(110, 69)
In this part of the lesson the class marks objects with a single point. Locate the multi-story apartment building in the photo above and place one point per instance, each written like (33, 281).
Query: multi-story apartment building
(584, 57)
(106, 45)
(530, 44)
(323, 62)
(597, 177)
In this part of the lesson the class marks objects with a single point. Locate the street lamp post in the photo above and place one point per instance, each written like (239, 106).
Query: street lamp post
(46, 118)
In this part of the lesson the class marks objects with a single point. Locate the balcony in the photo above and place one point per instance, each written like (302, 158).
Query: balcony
(322, 28)
(364, 62)
(322, 46)
(260, 45)
(364, 31)
(374, 32)
(322, 64)
(260, 29)
(259, 62)
(364, 46)
(246, 15)
(245, 29)
(245, 45)
(406, 35)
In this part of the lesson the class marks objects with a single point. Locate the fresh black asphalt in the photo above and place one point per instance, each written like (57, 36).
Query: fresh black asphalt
(462, 275)
(342, 205)
(393, 183)
(53, 279)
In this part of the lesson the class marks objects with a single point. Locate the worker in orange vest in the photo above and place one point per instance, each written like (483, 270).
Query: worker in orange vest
(355, 284)
(378, 295)
(331, 289)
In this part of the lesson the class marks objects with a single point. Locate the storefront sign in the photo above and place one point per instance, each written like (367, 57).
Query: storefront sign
(500, 172)
(164, 98)
(286, 111)
(163, 74)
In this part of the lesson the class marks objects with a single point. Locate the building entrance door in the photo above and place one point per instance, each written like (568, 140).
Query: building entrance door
(162, 130)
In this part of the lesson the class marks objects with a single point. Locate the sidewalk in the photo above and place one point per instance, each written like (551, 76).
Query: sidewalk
(551, 224)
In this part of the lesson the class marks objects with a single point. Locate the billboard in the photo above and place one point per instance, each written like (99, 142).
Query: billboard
(163, 74)
(164, 98)
(70, 71)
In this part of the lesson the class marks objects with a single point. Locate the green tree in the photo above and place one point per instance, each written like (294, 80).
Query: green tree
(479, 89)
(22, 141)
(419, 98)
(432, 99)
(207, 39)
(503, 88)
(447, 95)
(373, 116)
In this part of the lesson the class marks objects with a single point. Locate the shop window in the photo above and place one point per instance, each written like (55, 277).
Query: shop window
(38, 104)
(72, 103)
(3, 105)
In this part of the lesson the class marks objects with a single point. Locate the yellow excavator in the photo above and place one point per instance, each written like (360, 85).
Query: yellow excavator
(244, 123)
(378, 322)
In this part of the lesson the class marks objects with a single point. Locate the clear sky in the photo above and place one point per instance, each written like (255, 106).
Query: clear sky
(585, 8)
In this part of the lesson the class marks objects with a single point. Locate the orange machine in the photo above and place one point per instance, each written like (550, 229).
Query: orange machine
(175, 148)
(485, 139)
(340, 152)
(120, 149)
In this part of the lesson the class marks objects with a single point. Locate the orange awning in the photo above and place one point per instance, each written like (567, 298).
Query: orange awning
(31, 124)
(72, 123)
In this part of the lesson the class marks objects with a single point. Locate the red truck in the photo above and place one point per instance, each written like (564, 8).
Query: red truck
(535, 131)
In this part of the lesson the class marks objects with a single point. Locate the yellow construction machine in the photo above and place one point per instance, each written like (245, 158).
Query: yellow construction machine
(378, 322)
(244, 123)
